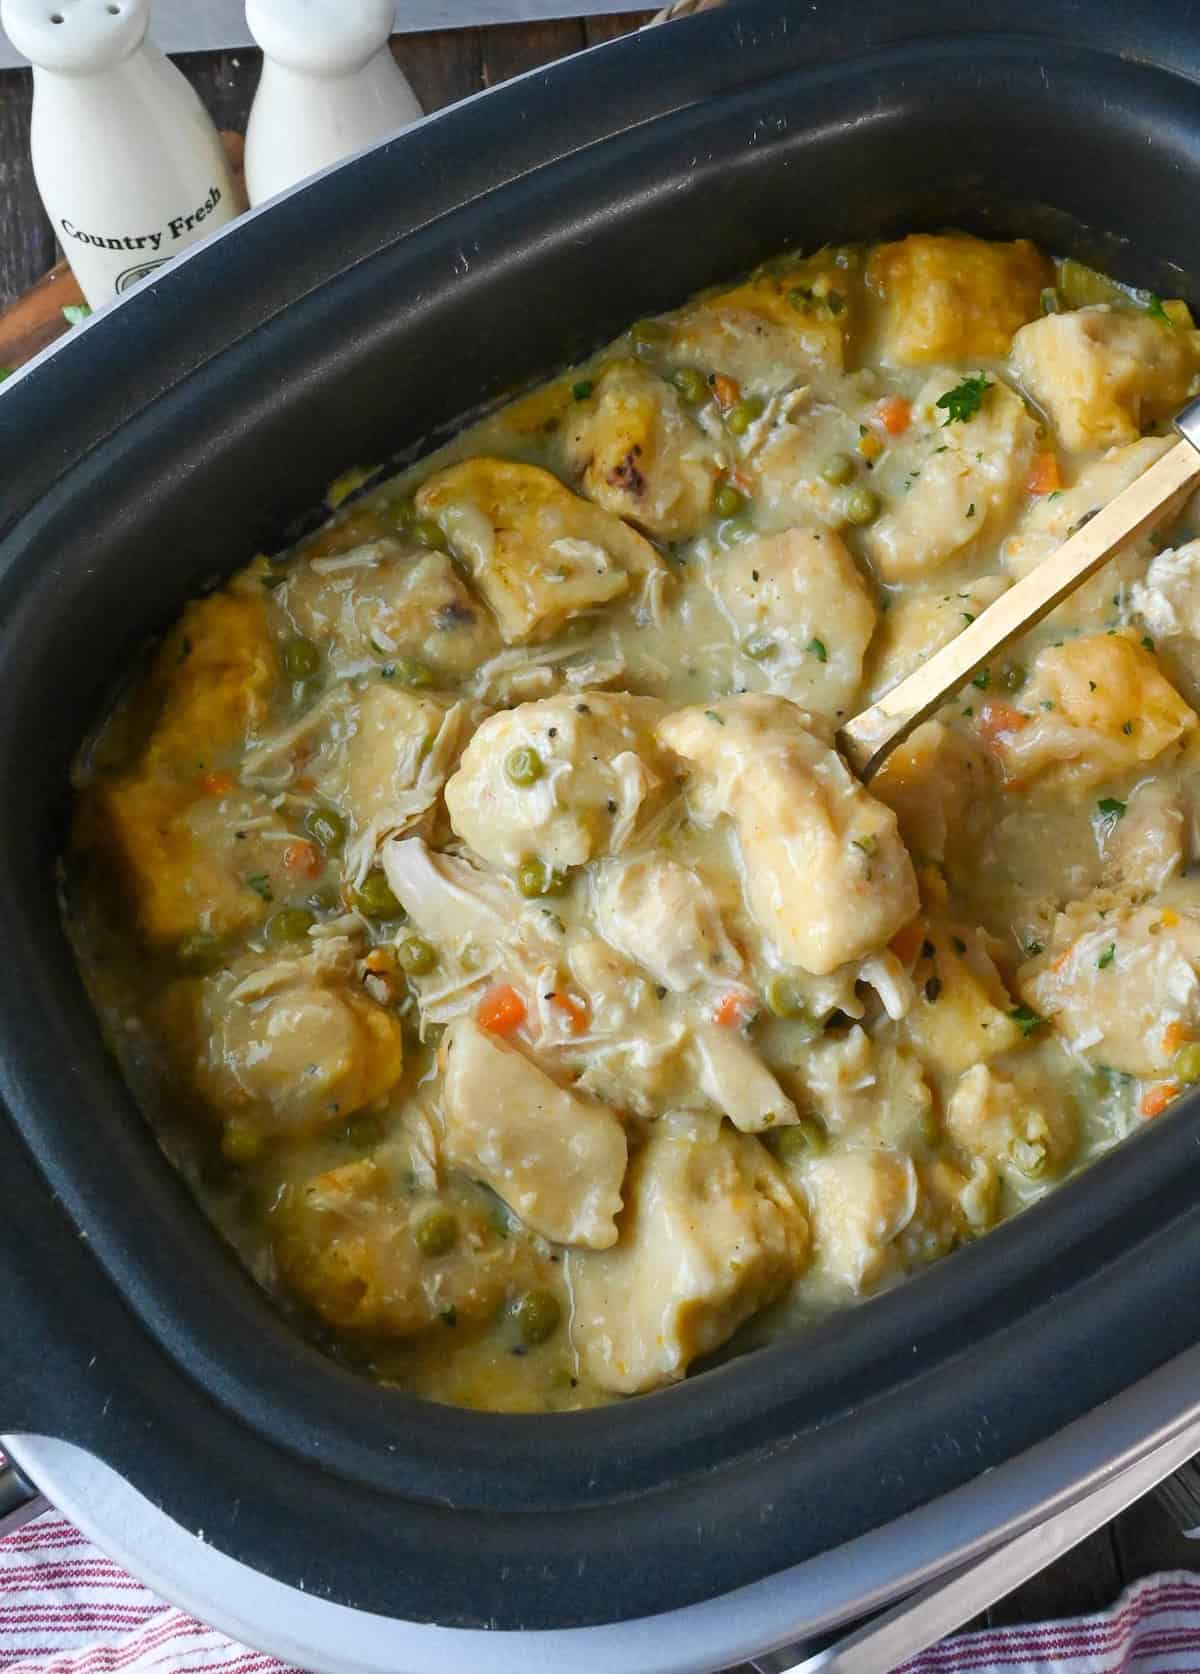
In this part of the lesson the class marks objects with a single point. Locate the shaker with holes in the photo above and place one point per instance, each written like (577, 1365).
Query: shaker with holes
(330, 87)
(130, 167)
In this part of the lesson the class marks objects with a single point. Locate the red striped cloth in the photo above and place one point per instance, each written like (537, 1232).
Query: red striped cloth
(67, 1609)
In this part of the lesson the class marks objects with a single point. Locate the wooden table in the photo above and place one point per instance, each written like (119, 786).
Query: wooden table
(444, 67)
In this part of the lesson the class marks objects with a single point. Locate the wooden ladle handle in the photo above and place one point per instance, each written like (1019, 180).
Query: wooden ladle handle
(870, 737)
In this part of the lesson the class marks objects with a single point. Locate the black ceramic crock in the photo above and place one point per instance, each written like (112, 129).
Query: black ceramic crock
(192, 426)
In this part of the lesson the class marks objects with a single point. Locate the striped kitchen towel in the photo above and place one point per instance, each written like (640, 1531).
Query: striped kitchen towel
(67, 1609)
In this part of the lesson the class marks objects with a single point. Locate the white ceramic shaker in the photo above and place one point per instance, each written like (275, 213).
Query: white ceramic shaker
(330, 87)
(129, 165)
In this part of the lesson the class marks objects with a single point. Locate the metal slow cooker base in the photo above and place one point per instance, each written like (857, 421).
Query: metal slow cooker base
(958, 1553)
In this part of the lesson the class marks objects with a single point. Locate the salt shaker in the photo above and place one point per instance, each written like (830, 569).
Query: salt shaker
(129, 165)
(329, 87)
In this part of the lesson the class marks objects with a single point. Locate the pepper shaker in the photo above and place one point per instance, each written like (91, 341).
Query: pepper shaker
(129, 165)
(329, 87)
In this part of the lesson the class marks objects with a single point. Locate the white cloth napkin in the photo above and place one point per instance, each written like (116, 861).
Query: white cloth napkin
(67, 1609)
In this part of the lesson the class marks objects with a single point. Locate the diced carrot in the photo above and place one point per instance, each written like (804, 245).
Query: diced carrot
(303, 860)
(576, 1011)
(732, 1010)
(216, 784)
(1159, 1097)
(727, 390)
(304, 785)
(742, 482)
(381, 961)
(906, 943)
(1044, 475)
(1176, 1035)
(894, 414)
(501, 1010)
(997, 718)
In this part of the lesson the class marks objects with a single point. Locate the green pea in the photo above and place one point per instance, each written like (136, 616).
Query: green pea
(692, 385)
(292, 924)
(1187, 1063)
(862, 506)
(535, 878)
(201, 953)
(785, 997)
(1014, 677)
(436, 1232)
(428, 533)
(325, 899)
(240, 1143)
(374, 898)
(524, 766)
(409, 672)
(538, 1315)
(760, 647)
(645, 334)
(805, 1138)
(365, 1132)
(743, 413)
(417, 956)
(301, 659)
(727, 501)
(326, 827)
(839, 469)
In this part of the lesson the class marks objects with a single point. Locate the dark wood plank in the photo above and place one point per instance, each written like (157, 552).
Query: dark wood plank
(26, 237)
(598, 29)
(225, 81)
(1148, 1539)
(443, 66)
(514, 48)
(1086, 1579)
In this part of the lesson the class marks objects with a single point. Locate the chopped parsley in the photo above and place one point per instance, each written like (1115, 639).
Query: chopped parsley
(76, 312)
(983, 679)
(964, 400)
(1156, 310)
(713, 716)
(971, 509)
(1147, 643)
(1033, 947)
(967, 616)
(5, 372)
(1127, 729)
(817, 647)
(957, 943)
(1026, 1019)
(260, 883)
(868, 844)
(1107, 957)
(1111, 807)
(582, 389)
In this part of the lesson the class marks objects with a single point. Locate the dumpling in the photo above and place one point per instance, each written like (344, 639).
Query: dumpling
(824, 871)
(711, 1233)
(566, 779)
(538, 553)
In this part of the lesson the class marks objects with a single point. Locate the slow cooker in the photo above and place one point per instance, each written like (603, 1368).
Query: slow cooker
(194, 424)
